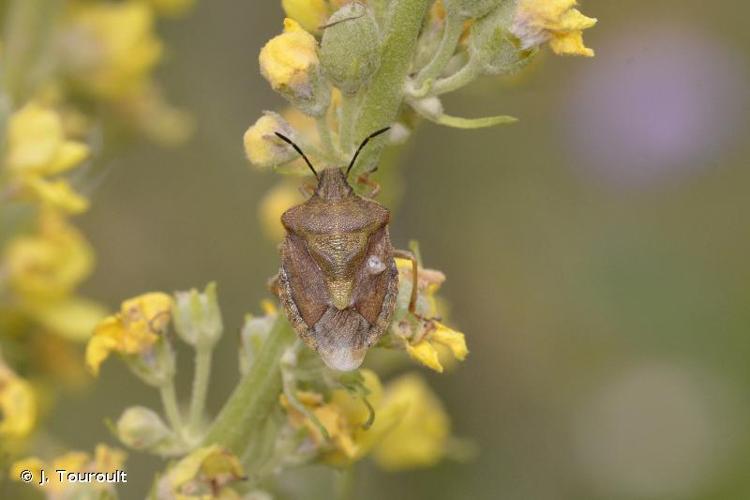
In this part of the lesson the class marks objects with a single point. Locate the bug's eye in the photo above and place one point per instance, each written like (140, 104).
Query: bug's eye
(375, 265)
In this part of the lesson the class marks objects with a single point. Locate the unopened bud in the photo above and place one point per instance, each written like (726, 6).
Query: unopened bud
(290, 63)
(262, 147)
(197, 317)
(142, 429)
(350, 48)
(253, 335)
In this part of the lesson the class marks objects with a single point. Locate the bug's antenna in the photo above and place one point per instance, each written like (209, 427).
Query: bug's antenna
(297, 149)
(364, 143)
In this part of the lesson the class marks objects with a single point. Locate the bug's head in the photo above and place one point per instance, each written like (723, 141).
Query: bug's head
(333, 183)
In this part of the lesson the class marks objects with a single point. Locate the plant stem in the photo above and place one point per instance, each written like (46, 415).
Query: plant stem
(345, 481)
(201, 379)
(255, 396)
(171, 408)
(384, 96)
(460, 78)
(451, 35)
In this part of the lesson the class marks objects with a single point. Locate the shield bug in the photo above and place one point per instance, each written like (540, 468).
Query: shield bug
(338, 280)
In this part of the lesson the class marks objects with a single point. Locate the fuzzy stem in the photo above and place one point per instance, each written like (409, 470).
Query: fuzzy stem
(171, 408)
(459, 79)
(345, 481)
(201, 379)
(385, 94)
(451, 35)
(255, 396)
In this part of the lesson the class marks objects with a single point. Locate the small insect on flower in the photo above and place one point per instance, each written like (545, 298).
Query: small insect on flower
(338, 280)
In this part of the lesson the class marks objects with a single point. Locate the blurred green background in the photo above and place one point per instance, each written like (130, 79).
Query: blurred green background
(596, 253)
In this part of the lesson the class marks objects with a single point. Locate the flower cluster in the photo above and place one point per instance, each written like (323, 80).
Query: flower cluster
(70, 76)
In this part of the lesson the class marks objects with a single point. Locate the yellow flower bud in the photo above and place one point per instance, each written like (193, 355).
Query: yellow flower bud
(310, 14)
(554, 21)
(262, 147)
(290, 63)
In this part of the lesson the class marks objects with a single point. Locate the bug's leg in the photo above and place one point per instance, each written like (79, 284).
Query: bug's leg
(365, 179)
(406, 254)
(273, 284)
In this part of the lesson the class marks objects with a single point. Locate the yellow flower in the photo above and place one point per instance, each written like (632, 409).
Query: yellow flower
(274, 203)
(132, 331)
(37, 149)
(37, 144)
(203, 474)
(428, 342)
(111, 47)
(411, 428)
(105, 460)
(49, 264)
(427, 350)
(18, 407)
(330, 416)
(311, 14)
(286, 60)
(262, 147)
(556, 21)
(56, 195)
(419, 437)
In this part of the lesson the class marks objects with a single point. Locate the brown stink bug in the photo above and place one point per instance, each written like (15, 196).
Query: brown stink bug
(338, 280)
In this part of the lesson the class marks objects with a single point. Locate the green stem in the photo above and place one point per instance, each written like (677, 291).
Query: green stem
(451, 35)
(201, 379)
(255, 396)
(460, 78)
(345, 482)
(385, 94)
(171, 408)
